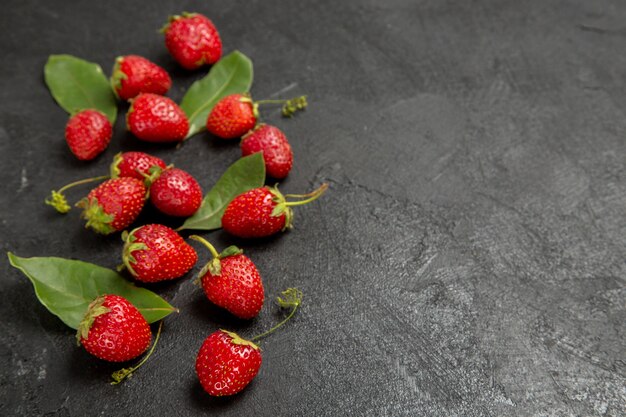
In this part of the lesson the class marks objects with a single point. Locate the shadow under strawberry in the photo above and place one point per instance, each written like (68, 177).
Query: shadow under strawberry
(203, 310)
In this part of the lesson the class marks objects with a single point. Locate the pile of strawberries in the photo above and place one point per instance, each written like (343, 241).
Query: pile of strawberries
(112, 328)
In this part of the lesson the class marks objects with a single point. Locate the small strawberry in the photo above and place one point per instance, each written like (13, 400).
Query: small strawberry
(227, 363)
(88, 134)
(134, 164)
(156, 118)
(113, 205)
(176, 193)
(276, 150)
(155, 253)
(236, 114)
(263, 211)
(231, 281)
(193, 40)
(133, 74)
(114, 330)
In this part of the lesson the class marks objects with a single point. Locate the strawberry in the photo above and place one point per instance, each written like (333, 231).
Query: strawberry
(133, 74)
(227, 363)
(155, 253)
(88, 133)
(231, 281)
(276, 150)
(263, 211)
(134, 164)
(232, 116)
(113, 205)
(114, 330)
(156, 118)
(193, 40)
(176, 193)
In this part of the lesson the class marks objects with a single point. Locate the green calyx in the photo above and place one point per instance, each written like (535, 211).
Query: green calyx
(95, 309)
(96, 218)
(174, 17)
(214, 266)
(114, 168)
(238, 340)
(255, 106)
(283, 207)
(59, 202)
(294, 105)
(131, 245)
(117, 76)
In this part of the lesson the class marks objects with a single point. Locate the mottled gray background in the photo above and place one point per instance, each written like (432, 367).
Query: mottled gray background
(468, 260)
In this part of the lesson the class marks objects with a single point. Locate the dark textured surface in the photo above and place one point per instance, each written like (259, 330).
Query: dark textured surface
(468, 259)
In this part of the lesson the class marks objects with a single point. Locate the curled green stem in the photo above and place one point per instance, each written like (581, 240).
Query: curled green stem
(59, 201)
(312, 196)
(292, 298)
(122, 374)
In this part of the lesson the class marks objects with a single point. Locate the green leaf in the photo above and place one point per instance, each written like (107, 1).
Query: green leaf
(66, 287)
(78, 85)
(245, 174)
(231, 75)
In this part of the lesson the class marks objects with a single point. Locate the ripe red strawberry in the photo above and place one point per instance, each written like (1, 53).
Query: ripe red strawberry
(133, 74)
(156, 118)
(231, 281)
(155, 253)
(226, 363)
(114, 330)
(276, 150)
(176, 193)
(232, 116)
(88, 133)
(113, 205)
(263, 211)
(134, 164)
(193, 40)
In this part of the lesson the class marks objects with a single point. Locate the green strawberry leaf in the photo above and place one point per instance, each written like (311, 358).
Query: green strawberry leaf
(230, 75)
(78, 85)
(66, 287)
(244, 175)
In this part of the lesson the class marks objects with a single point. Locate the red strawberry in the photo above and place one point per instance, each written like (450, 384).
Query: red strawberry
(263, 211)
(88, 133)
(133, 74)
(113, 205)
(231, 281)
(156, 118)
(176, 193)
(114, 330)
(155, 253)
(134, 164)
(276, 150)
(193, 40)
(232, 116)
(226, 363)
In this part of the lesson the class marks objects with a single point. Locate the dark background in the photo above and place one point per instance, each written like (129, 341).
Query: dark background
(467, 260)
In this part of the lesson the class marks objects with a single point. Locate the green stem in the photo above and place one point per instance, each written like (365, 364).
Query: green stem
(81, 182)
(119, 376)
(211, 248)
(313, 196)
(293, 299)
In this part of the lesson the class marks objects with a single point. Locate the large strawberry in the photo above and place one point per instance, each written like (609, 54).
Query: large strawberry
(156, 118)
(192, 40)
(176, 193)
(231, 281)
(88, 134)
(133, 74)
(276, 150)
(114, 330)
(113, 205)
(227, 363)
(135, 165)
(155, 253)
(263, 211)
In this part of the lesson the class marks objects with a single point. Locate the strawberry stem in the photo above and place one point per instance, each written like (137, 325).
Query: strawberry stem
(58, 200)
(122, 374)
(206, 243)
(292, 299)
(312, 196)
(214, 265)
(290, 106)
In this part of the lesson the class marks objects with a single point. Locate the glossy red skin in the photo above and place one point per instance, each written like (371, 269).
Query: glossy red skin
(276, 150)
(120, 335)
(176, 193)
(231, 118)
(167, 255)
(123, 198)
(133, 164)
(238, 288)
(193, 41)
(88, 134)
(155, 118)
(249, 215)
(225, 368)
(140, 75)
